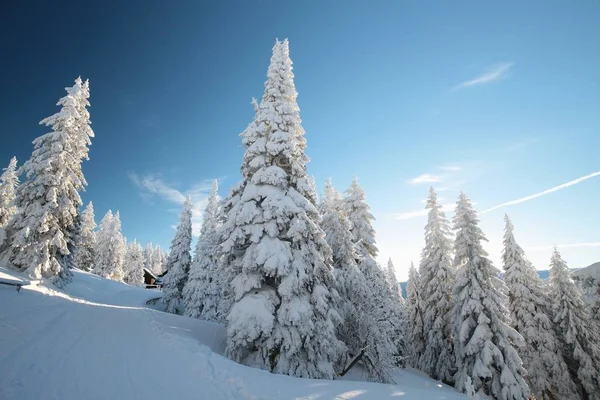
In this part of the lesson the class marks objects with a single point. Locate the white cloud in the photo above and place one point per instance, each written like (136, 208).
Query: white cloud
(495, 73)
(425, 178)
(451, 168)
(564, 246)
(545, 192)
(152, 185)
(421, 213)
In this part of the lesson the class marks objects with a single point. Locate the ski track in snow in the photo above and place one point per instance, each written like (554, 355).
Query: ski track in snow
(101, 342)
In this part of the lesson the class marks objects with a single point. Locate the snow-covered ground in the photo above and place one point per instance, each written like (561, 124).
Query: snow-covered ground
(99, 340)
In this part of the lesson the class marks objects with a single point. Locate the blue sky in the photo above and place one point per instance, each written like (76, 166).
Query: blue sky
(500, 100)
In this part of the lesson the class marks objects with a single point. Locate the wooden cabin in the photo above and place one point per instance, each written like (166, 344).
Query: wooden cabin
(150, 280)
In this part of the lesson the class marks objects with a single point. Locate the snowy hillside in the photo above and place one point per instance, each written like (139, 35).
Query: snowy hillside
(592, 271)
(98, 340)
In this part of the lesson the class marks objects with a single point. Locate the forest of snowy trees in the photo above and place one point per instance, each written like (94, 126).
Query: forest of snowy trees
(296, 279)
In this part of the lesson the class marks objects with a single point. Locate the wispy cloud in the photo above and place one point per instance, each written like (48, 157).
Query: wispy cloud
(564, 246)
(425, 178)
(495, 73)
(545, 192)
(421, 213)
(154, 186)
(451, 168)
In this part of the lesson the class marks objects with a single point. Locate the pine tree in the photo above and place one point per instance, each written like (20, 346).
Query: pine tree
(202, 292)
(415, 335)
(134, 264)
(398, 317)
(483, 340)
(437, 283)
(110, 248)
(394, 284)
(547, 373)
(381, 338)
(9, 180)
(47, 202)
(572, 321)
(281, 318)
(354, 303)
(226, 259)
(83, 255)
(148, 257)
(179, 260)
(159, 264)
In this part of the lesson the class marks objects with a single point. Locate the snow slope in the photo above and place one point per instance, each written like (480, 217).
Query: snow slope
(98, 340)
(591, 271)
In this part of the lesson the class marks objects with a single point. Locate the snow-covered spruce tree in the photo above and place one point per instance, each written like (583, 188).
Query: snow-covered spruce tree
(394, 284)
(573, 325)
(83, 255)
(134, 264)
(159, 264)
(47, 202)
(9, 180)
(148, 254)
(547, 373)
(110, 248)
(282, 319)
(353, 305)
(225, 264)
(398, 317)
(202, 292)
(437, 283)
(415, 336)
(381, 346)
(484, 343)
(179, 260)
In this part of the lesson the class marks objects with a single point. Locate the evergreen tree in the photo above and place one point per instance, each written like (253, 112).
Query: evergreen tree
(415, 335)
(437, 283)
(547, 373)
(483, 340)
(395, 288)
(227, 259)
(47, 202)
(148, 257)
(9, 180)
(110, 248)
(380, 347)
(159, 261)
(134, 264)
(179, 260)
(398, 317)
(572, 322)
(202, 292)
(354, 304)
(83, 255)
(281, 318)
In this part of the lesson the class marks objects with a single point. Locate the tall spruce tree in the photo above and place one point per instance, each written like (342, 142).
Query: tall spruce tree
(574, 327)
(110, 248)
(281, 317)
(47, 202)
(355, 303)
(83, 255)
(9, 180)
(397, 317)
(437, 283)
(415, 335)
(202, 292)
(179, 260)
(134, 264)
(484, 342)
(381, 346)
(547, 373)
